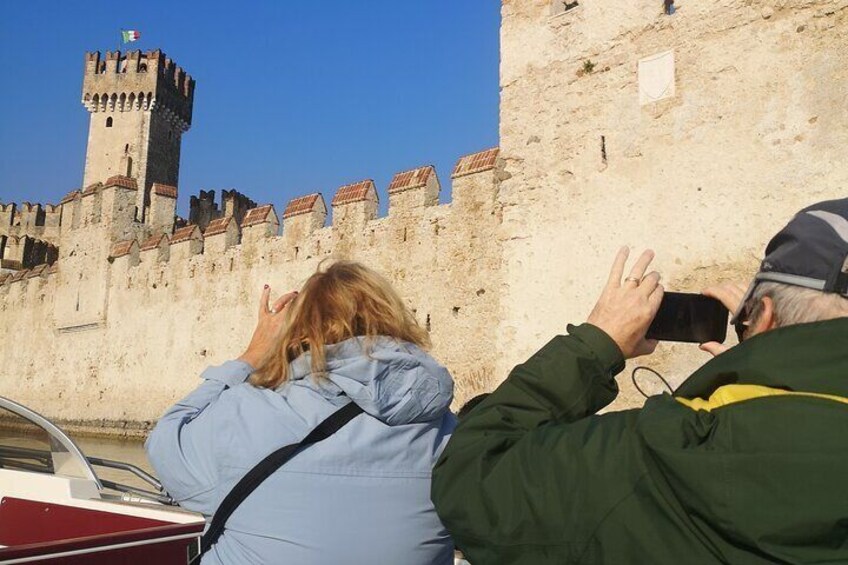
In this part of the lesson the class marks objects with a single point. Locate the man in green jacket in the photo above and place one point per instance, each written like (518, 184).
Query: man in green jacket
(746, 463)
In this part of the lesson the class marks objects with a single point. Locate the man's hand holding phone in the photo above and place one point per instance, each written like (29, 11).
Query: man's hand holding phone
(626, 307)
(636, 312)
(730, 294)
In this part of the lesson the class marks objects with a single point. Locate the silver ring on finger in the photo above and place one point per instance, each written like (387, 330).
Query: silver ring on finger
(633, 279)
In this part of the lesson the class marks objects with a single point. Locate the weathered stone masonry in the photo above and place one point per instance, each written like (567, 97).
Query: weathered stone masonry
(754, 129)
(132, 319)
(697, 134)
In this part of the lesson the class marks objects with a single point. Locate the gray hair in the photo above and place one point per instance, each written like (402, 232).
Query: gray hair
(798, 305)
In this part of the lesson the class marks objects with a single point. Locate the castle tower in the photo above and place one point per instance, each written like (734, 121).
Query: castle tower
(140, 105)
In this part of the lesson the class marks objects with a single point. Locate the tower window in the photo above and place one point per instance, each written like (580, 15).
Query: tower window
(126, 148)
(562, 6)
(109, 122)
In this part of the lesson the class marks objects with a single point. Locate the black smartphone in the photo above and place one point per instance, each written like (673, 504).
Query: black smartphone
(692, 318)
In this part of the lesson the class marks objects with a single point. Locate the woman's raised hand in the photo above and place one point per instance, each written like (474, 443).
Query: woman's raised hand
(268, 328)
(626, 308)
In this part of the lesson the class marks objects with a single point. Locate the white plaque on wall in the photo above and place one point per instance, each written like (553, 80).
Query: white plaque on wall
(656, 77)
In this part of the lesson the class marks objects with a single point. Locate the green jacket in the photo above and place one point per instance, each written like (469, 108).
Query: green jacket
(533, 475)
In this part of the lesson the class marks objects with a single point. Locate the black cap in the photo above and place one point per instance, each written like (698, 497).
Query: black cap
(811, 251)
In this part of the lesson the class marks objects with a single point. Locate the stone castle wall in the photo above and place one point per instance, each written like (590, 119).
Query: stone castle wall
(33, 220)
(29, 235)
(755, 130)
(697, 134)
(120, 328)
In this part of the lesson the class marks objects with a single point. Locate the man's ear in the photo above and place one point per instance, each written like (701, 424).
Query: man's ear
(765, 319)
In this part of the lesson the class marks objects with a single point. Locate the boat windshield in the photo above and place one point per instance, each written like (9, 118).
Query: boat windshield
(30, 442)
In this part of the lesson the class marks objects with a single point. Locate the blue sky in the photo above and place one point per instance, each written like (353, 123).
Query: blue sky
(292, 96)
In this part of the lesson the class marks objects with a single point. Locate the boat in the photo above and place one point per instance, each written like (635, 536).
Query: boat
(54, 509)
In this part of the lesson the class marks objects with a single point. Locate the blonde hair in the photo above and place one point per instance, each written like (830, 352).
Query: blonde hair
(345, 300)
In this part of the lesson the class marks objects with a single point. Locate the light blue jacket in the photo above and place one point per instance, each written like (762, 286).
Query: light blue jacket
(360, 497)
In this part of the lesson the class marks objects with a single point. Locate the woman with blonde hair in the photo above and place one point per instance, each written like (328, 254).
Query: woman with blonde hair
(347, 354)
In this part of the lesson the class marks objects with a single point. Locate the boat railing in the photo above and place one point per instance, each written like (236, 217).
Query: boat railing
(39, 461)
(158, 495)
(63, 456)
(128, 467)
(26, 459)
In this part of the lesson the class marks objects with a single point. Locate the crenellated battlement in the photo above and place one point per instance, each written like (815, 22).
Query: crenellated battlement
(28, 286)
(109, 270)
(7, 215)
(125, 248)
(109, 205)
(25, 252)
(39, 221)
(140, 105)
(138, 81)
(444, 259)
(70, 196)
(409, 180)
(476, 162)
(203, 209)
(31, 232)
(304, 205)
(119, 249)
(414, 188)
(361, 191)
(414, 218)
(29, 214)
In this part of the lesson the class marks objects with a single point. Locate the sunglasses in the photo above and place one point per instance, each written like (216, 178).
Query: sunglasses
(743, 321)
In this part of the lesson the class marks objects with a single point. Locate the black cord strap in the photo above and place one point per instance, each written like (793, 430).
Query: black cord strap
(266, 468)
(636, 384)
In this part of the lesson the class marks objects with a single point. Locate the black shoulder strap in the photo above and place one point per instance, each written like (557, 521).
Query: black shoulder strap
(266, 468)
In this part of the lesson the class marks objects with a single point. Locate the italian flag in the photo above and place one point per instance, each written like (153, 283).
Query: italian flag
(130, 35)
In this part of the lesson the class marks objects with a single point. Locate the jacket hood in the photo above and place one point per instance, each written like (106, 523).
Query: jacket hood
(393, 381)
